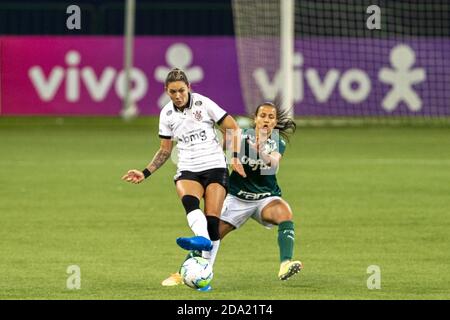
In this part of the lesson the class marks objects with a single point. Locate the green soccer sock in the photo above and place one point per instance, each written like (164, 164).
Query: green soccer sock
(286, 236)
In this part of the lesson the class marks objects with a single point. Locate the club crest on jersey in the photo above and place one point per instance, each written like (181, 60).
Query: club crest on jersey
(198, 103)
(198, 115)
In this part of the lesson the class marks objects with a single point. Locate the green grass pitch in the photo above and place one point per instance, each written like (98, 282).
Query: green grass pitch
(360, 196)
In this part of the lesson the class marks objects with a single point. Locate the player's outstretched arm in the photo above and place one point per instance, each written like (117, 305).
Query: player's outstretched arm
(230, 126)
(137, 176)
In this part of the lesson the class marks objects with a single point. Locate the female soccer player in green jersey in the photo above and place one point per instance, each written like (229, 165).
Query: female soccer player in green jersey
(258, 195)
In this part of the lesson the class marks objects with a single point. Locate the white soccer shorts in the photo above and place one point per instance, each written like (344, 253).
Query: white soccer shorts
(237, 211)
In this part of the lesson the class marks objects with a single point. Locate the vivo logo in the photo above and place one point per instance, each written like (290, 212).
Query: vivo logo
(354, 85)
(254, 164)
(98, 86)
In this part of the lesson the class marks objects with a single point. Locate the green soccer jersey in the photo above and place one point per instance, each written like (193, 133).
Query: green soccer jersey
(261, 181)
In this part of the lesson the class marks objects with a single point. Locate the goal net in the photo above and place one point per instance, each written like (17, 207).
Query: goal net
(352, 60)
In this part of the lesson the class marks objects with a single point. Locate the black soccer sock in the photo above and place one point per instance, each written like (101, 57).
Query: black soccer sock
(213, 227)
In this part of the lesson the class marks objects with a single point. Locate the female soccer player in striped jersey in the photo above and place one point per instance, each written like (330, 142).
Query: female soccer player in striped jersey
(189, 119)
(258, 196)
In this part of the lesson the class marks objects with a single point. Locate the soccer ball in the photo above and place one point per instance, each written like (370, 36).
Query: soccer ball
(196, 272)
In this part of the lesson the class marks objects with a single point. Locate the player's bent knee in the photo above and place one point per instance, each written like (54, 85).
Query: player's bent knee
(289, 216)
(213, 227)
(190, 203)
(283, 217)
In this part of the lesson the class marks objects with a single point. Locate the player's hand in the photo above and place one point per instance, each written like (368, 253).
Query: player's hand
(255, 146)
(134, 176)
(236, 165)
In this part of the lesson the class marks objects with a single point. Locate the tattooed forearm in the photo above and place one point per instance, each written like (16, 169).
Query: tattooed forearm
(158, 160)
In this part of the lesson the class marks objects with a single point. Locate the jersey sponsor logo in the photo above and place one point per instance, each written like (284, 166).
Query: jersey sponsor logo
(252, 196)
(254, 164)
(194, 136)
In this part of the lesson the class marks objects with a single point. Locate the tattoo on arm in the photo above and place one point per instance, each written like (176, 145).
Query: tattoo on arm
(158, 160)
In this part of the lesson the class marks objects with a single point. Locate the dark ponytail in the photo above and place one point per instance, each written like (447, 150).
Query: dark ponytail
(285, 124)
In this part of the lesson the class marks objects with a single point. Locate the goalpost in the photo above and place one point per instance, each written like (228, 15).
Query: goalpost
(129, 108)
(265, 43)
(257, 30)
(287, 36)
